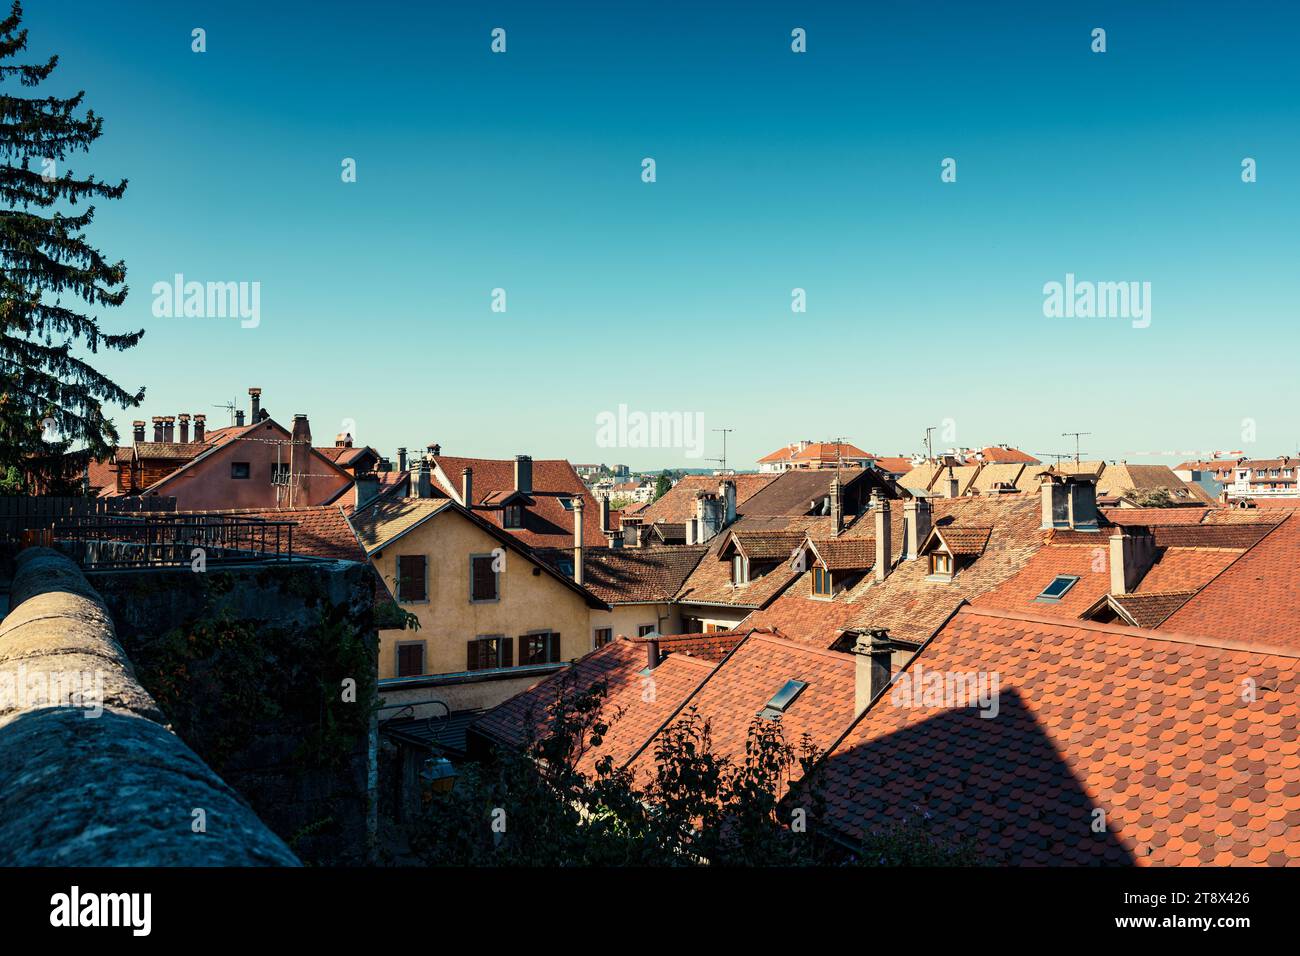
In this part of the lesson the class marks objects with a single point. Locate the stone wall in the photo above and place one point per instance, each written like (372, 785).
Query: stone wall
(249, 662)
(95, 777)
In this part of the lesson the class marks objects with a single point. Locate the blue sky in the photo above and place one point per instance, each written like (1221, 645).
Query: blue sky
(775, 170)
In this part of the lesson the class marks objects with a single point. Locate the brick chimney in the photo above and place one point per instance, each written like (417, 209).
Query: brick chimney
(158, 429)
(184, 421)
(255, 404)
(467, 487)
(874, 653)
(299, 457)
(137, 431)
(917, 519)
(524, 474)
(1132, 552)
(837, 508)
(200, 427)
(884, 531)
(169, 428)
(578, 574)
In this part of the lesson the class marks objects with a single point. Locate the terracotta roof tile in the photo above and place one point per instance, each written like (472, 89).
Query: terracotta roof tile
(678, 503)
(631, 575)
(1154, 732)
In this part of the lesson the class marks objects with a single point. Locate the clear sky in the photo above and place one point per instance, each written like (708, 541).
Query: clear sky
(775, 170)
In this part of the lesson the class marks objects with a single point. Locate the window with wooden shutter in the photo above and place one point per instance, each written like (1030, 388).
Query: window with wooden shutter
(484, 653)
(411, 578)
(483, 580)
(603, 636)
(410, 660)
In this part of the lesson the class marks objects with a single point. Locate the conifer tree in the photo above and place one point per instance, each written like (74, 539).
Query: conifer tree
(52, 280)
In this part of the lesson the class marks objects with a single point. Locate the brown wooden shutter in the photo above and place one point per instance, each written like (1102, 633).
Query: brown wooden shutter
(484, 579)
(471, 656)
(554, 649)
(507, 651)
(410, 577)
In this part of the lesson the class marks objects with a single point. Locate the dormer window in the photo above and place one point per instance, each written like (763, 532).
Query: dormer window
(941, 564)
(512, 516)
(739, 571)
(566, 503)
(821, 583)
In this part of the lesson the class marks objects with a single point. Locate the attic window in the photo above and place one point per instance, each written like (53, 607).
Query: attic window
(566, 504)
(821, 583)
(513, 516)
(940, 563)
(782, 699)
(1060, 585)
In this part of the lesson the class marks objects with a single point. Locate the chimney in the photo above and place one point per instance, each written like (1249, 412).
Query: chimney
(421, 484)
(1069, 502)
(727, 493)
(524, 474)
(577, 531)
(239, 418)
(604, 515)
(169, 428)
(708, 517)
(435, 449)
(185, 428)
(874, 665)
(299, 456)
(917, 514)
(1132, 553)
(157, 429)
(950, 484)
(651, 653)
(837, 508)
(342, 440)
(365, 488)
(137, 431)
(255, 404)
(884, 549)
(200, 427)
(401, 459)
(466, 485)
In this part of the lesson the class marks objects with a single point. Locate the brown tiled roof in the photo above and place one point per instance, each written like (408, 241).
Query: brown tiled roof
(1154, 731)
(912, 607)
(846, 554)
(897, 466)
(1235, 536)
(964, 540)
(170, 451)
(1253, 599)
(632, 575)
(634, 714)
(1154, 516)
(383, 520)
(991, 474)
(793, 492)
(768, 545)
(713, 646)
(710, 582)
(1020, 592)
(548, 524)
(678, 503)
(920, 477)
(828, 453)
(796, 614)
(1150, 609)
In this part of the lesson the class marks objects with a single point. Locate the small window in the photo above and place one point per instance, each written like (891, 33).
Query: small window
(644, 629)
(603, 636)
(1060, 585)
(738, 575)
(239, 470)
(489, 651)
(483, 579)
(783, 698)
(513, 516)
(821, 581)
(541, 648)
(940, 563)
(410, 659)
(411, 584)
(566, 504)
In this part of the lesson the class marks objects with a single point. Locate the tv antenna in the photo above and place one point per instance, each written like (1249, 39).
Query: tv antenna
(229, 407)
(723, 460)
(1076, 443)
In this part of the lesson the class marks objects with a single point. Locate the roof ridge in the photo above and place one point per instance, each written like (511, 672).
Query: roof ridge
(1227, 644)
(767, 637)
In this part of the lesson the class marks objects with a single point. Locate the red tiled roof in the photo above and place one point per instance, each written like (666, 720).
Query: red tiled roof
(828, 453)
(548, 524)
(1154, 516)
(1256, 598)
(710, 582)
(742, 685)
(996, 453)
(322, 532)
(634, 714)
(1150, 609)
(713, 646)
(1020, 592)
(897, 466)
(1153, 730)
(796, 614)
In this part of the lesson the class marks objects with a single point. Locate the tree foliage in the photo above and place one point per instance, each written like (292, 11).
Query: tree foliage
(693, 806)
(51, 278)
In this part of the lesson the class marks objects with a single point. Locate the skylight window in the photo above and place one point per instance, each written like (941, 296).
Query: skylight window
(566, 504)
(1059, 587)
(783, 698)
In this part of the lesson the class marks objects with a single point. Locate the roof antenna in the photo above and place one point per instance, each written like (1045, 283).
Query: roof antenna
(229, 407)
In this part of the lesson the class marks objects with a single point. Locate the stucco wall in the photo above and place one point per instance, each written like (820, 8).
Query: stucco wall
(625, 619)
(527, 601)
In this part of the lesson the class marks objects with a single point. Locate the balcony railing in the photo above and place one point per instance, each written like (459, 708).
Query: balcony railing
(170, 540)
